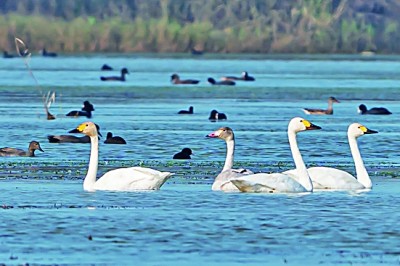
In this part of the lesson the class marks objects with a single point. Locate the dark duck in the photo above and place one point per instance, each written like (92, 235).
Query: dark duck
(87, 110)
(183, 154)
(176, 80)
(223, 82)
(124, 71)
(245, 77)
(362, 109)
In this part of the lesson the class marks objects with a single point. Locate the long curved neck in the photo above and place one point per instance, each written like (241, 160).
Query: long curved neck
(90, 178)
(361, 172)
(304, 178)
(230, 150)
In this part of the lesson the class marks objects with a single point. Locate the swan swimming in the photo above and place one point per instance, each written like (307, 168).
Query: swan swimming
(223, 180)
(281, 182)
(121, 179)
(332, 178)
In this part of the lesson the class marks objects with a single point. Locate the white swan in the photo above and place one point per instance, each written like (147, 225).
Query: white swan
(332, 178)
(122, 179)
(280, 182)
(222, 181)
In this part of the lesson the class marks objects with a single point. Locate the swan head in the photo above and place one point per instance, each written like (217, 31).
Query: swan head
(88, 128)
(298, 124)
(225, 133)
(356, 130)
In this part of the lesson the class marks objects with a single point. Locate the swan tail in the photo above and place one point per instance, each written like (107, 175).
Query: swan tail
(246, 186)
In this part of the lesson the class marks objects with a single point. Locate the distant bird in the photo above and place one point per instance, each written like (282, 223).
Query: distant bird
(47, 54)
(106, 67)
(72, 138)
(7, 55)
(176, 80)
(33, 146)
(87, 110)
(194, 51)
(124, 71)
(67, 139)
(245, 77)
(184, 154)
(362, 109)
(328, 111)
(223, 82)
(215, 115)
(114, 139)
(190, 111)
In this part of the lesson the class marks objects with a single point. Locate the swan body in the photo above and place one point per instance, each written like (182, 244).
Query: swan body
(122, 179)
(328, 111)
(282, 182)
(336, 179)
(223, 180)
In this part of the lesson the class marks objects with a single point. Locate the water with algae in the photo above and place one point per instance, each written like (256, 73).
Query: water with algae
(46, 217)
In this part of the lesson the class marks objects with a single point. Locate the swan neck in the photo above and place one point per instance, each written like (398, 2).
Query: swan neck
(304, 178)
(230, 150)
(361, 171)
(90, 178)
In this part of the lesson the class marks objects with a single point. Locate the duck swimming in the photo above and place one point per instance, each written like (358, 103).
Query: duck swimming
(71, 138)
(121, 179)
(87, 110)
(362, 109)
(114, 139)
(106, 67)
(190, 111)
(328, 111)
(7, 55)
(33, 146)
(124, 71)
(223, 82)
(215, 116)
(223, 179)
(176, 80)
(67, 139)
(245, 77)
(45, 53)
(183, 154)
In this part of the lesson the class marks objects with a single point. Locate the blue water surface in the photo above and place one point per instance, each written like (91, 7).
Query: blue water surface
(47, 218)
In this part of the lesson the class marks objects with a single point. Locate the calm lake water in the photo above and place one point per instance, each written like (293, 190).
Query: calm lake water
(47, 218)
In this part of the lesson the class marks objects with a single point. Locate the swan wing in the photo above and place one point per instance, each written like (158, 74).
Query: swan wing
(268, 183)
(332, 178)
(328, 178)
(223, 180)
(133, 178)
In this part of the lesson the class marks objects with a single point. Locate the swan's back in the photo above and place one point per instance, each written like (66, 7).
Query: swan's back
(223, 180)
(268, 183)
(132, 178)
(331, 178)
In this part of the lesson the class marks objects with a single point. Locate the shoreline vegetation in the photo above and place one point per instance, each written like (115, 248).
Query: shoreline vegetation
(215, 26)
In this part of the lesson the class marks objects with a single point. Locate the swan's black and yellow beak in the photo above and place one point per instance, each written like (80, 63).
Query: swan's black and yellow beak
(368, 131)
(309, 125)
